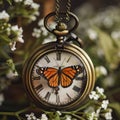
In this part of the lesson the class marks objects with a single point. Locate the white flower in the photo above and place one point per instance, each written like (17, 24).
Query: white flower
(68, 117)
(109, 81)
(8, 31)
(50, 38)
(115, 35)
(93, 95)
(92, 34)
(98, 111)
(19, 32)
(1, 99)
(36, 33)
(12, 46)
(104, 104)
(107, 22)
(108, 116)
(35, 6)
(44, 117)
(59, 113)
(28, 2)
(31, 116)
(32, 18)
(4, 15)
(18, 0)
(101, 70)
(11, 74)
(100, 90)
(36, 13)
(44, 31)
(41, 23)
(93, 116)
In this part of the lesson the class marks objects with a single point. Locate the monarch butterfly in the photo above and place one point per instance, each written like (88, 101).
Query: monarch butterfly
(58, 76)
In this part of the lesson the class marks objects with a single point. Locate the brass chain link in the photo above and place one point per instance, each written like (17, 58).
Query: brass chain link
(64, 17)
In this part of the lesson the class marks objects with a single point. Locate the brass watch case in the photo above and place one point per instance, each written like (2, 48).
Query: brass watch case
(51, 47)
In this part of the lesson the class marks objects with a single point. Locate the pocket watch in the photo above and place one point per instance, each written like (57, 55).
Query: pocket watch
(59, 75)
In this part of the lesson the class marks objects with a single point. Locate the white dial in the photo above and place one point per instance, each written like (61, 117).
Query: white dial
(65, 88)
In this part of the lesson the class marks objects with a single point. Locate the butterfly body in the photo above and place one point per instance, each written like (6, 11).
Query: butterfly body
(56, 77)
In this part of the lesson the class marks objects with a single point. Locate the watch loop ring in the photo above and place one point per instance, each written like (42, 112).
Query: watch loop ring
(54, 13)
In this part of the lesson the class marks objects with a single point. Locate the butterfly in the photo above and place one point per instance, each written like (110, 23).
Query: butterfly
(58, 76)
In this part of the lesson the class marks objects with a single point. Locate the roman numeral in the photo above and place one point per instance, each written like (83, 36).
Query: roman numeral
(58, 55)
(81, 78)
(68, 59)
(47, 96)
(68, 96)
(36, 77)
(39, 88)
(57, 99)
(76, 89)
(47, 59)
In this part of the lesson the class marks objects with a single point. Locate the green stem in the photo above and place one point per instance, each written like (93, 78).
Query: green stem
(16, 114)
(84, 106)
(8, 113)
(79, 117)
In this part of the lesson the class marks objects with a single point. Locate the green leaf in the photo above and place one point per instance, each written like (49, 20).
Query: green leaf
(116, 107)
(5, 39)
(109, 48)
(10, 2)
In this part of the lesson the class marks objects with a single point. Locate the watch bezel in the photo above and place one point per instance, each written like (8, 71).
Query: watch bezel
(50, 47)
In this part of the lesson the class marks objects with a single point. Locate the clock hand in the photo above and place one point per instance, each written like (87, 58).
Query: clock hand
(56, 90)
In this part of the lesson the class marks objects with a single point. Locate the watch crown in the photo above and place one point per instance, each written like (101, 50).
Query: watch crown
(61, 29)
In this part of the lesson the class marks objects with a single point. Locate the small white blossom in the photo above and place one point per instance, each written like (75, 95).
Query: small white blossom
(31, 116)
(28, 2)
(36, 33)
(93, 116)
(44, 117)
(41, 23)
(98, 111)
(50, 38)
(107, 22)
(100, 90)
(93, 95)
(115, 35)
(1, 99)
(36, 13)
(108, 116)
(101, 70)
(59, 113)
(44, 31)
(35, 6)
(8, 31)
(12, 46)
(18, 1)
(68, 117)
(109, 81)
(104, 104)
(32, 18)
(92, 34)
(4, 15)
(19, 32)
(11, 74)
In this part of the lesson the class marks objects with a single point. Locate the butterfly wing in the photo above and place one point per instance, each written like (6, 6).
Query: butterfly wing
(68, 74)
(50, 74)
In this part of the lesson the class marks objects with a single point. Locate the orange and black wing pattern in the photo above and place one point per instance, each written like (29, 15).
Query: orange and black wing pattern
(49, 74)
(63, 76)
(68, 74)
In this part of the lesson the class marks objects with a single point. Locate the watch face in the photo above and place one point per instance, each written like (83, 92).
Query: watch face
(58, 78)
